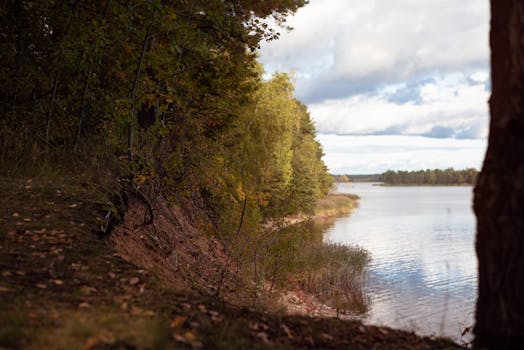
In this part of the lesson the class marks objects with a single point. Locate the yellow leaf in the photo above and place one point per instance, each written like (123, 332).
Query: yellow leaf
(190, 337)
(178, 321)
(140, 179)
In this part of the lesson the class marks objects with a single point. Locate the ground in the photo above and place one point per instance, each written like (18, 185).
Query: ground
(63, 285)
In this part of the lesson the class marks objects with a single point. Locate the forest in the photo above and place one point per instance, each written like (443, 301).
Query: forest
(168, 92)
(447, 176)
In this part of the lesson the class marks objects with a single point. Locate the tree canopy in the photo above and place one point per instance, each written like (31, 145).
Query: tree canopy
(161, 90)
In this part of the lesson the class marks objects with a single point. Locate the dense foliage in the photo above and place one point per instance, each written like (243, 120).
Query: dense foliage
(165, 91)
(448, 176)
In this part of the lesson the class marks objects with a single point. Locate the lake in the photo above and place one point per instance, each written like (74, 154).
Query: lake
(423, 274)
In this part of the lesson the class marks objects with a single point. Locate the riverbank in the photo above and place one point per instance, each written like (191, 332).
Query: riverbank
(330, 206)
(424, 185)
(67, 283)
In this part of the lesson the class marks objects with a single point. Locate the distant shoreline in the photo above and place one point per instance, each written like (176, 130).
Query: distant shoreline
(422, 185)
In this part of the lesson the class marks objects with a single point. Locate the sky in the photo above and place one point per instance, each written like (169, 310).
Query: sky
(399, 85)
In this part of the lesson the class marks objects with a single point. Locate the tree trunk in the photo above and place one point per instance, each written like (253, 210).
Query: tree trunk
(499, 194)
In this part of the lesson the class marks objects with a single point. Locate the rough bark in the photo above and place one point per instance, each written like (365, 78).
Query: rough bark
(499, 194)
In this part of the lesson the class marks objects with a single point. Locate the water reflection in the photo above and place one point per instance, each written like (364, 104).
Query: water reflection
(423, 273)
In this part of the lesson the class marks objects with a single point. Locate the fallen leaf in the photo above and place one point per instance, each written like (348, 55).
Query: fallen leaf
(202, 308)
(263, 336)
(15, 215)
(20, 273)
(111, 275)
(74, 205)
(84, 305)
(58, 282)
(41, 286)
(86, 290)
(288, 331)
(102, 338)
(178, 322)
(6, 273)
(197, 345)
(216, 318)
(134, 280)
(28, 220)
(135, 310)
(190, 337)
(5, 289)
(179, 338)
(327, 336)
(148, 313)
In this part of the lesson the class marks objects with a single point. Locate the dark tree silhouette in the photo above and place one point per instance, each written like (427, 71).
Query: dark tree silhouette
(499, 194)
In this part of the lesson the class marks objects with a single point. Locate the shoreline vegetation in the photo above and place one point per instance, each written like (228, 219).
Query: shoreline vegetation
(328, 281)
(330, 284)
(422, 185)
(446, 177)
(427, 177)
(329, 206)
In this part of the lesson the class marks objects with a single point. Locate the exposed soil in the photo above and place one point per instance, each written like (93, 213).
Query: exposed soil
(163, 240)
(150, 285)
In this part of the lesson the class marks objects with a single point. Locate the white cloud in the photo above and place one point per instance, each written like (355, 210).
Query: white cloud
(450, 103)
(377, 42)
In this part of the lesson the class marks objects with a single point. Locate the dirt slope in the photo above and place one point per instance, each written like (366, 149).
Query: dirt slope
(160, 237)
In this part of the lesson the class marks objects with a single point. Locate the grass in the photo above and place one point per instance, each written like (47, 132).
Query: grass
(105, 328)
(335, 275)
(335, 205)
(15, 327)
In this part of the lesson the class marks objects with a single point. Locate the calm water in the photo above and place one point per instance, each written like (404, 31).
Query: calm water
(423, 275)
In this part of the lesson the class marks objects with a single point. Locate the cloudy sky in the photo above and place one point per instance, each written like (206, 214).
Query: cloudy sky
(391, 84)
